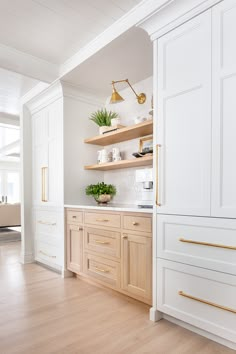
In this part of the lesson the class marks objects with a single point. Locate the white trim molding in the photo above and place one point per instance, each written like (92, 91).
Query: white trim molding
(27, 258)
(172, 15)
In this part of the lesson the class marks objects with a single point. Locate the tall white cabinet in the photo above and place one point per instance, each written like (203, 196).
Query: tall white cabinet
(195, 128)
(59, 116)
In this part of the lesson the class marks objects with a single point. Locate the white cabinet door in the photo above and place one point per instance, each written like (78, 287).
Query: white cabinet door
(224, 110)
(184, 118)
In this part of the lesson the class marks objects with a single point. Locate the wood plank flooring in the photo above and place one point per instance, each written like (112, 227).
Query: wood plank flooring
(42, 313)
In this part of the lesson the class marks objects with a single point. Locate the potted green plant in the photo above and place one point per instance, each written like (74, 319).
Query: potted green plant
(101, 192)
(103, 118)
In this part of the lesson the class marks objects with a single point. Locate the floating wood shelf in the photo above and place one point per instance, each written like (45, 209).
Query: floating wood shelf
(123, 134)
(141, 161)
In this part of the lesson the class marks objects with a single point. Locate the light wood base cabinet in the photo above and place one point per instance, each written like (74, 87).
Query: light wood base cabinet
(113, 249)
(74, 248)
(136, 265)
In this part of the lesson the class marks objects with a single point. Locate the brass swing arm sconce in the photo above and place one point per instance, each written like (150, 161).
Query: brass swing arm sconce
(116, 97)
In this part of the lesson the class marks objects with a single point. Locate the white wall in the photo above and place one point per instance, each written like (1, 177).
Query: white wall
(128, 191)
(77, 127)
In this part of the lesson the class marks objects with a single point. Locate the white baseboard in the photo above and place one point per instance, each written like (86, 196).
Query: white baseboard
(155, 315)
(201, 332)
(26, 258)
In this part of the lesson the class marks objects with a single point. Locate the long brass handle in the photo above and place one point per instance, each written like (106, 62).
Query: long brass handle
(47, 223)
(42, 185)
(102, 270)
(181, 293)
(43, 169)
(157, 175)
(103, 220)
(48, 255)
(102, 242)
(207, 244)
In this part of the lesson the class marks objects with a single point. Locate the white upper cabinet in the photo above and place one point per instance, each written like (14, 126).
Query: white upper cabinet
(224, 109)
(47, 155)
(184, 118)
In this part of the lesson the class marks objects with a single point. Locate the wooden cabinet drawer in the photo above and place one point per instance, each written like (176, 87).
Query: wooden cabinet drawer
(47, 254)
(105, 242)
(138, 223)
(102, 219)
(102, 269)
(204, 242)
(201, 297)
(74, 216)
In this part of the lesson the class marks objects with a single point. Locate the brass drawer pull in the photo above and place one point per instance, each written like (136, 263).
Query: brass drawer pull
(47, 223)
(125, 236)
(43, 198)
(135, 223)
(157, 175)
(102, 270)
(103, 220)
(207, 244)
(74, 217)
(80, 228)
(45, 254)
(181, 293)
(102, 242)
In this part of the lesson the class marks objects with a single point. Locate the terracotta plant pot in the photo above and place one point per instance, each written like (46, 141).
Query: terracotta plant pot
(103, 198)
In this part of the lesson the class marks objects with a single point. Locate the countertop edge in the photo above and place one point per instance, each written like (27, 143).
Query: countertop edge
(110, 208)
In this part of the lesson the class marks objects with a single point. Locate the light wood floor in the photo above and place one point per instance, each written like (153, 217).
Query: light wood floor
(41, 313)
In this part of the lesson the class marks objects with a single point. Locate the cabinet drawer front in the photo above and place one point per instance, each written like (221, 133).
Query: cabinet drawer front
(47, 254)
(47, 222)
(204, 298)
(74, 217)
(204, 242)
(138, 223)
(102, 269)
(110, 220)
(102, 241)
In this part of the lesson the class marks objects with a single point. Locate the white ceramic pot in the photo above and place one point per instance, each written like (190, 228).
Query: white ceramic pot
(103, 129)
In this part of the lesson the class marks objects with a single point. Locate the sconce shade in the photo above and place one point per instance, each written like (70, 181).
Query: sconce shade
(115, 97)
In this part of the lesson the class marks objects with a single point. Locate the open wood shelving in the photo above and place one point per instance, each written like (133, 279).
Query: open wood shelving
(123, 134)
(141, 161)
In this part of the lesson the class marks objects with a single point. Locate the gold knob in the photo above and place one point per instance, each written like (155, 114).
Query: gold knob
(74, 216)
(125, 236)
(80, 229)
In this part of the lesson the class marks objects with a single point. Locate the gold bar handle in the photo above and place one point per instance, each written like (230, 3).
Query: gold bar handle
(157, 175)
(48, 255)
(103, 220)
(102, 242)
(47, 223)
(102, 270)
(207, 244)
(42, 185)
(181, 293)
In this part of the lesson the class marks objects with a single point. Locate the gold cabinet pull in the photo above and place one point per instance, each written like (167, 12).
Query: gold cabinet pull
(135, 223)
(102, 242)
(181, 293)
(103, 220)
(47, 223)
(43, 172)
(125, 236)
(157, 175)
(102, 270)
(80, 228)
(74, 217)
(207, 244)
(48, 255)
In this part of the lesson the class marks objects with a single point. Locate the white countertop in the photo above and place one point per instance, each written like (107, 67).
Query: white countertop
(111, 207)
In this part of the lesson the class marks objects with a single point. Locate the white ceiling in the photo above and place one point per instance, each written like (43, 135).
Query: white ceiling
(12, 87)
(54, 30)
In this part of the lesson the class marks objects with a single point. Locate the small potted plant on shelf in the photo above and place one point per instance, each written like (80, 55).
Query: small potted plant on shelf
(103, 119)
(101, 192)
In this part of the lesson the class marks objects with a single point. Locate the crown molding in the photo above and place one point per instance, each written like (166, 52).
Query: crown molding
(144, 9)
(172, 15)
(27, 65)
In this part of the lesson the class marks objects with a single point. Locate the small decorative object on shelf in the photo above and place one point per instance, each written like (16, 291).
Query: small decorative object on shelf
(139, 119)
(103, 119)
(101, 192)
(145, 147)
